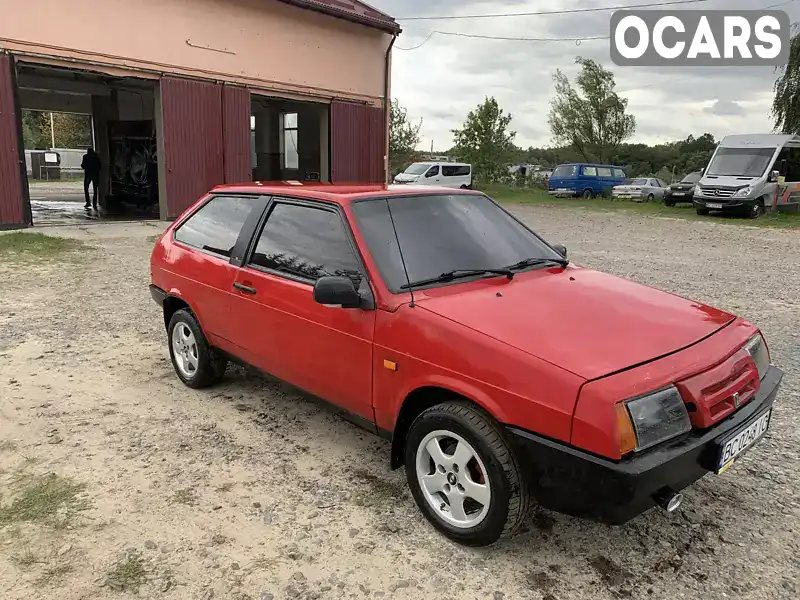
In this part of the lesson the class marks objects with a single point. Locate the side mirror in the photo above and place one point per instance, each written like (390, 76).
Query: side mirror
(562, 250)
(336, 292)
(773, 176)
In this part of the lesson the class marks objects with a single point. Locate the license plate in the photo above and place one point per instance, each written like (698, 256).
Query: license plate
(710, 205)
(677, 193)
(742, 441)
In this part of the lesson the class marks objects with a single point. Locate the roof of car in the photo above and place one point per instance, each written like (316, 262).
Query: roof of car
(333, 192)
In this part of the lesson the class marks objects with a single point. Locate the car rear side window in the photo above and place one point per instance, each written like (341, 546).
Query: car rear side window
(604, 172)
(215, 227)
(619, 173)
(305, 242)
(590, 171)
(455, 170)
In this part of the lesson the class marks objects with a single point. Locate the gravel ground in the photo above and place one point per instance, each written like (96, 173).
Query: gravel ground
(251, 490)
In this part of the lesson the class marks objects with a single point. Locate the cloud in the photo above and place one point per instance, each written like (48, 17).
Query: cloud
(726, 107)
(448, 75)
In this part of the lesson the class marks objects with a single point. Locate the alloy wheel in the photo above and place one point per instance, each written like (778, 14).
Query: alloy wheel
(184, 349)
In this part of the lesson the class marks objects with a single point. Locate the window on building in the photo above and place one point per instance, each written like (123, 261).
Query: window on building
(291, 155)
(306, 242)
(216, 226)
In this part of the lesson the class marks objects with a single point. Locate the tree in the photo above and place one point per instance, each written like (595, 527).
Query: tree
(591, 118)
(786, 105)
(485, 142)
(70, 130)
(403, 137)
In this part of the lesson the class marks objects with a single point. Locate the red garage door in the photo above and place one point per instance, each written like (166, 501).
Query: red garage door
(357, 149)
(14, 208)
(193, 140)
(236, 132)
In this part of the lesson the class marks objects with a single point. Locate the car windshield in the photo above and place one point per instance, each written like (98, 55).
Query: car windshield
(741, 162)
(692, 177)
(416, 169)
(565, 171)
(635, 182)
(442, 233)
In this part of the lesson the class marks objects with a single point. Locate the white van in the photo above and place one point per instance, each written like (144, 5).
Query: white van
(444, 174)
(749, 173)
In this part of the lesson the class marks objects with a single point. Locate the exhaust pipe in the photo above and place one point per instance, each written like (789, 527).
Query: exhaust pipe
(668, 500)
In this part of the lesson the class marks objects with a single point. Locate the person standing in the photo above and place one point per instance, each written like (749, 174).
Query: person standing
(91, 166)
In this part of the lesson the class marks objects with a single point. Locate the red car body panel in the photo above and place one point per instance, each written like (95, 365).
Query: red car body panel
(584, 321)
(551, 351)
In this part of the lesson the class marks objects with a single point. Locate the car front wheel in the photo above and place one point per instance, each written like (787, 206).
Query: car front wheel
(196, 363)
(463, 475)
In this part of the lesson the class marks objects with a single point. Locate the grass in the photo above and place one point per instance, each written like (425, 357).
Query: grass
(524, 196)
(185, 496)
(50, 499)
(127, 574)
(26, 246)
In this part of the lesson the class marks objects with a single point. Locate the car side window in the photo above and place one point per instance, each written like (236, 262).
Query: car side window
(619, 173)
(591, 171)
(307, 243)
(433, 171)
(215, 227)
(449, 171)
(604, 172)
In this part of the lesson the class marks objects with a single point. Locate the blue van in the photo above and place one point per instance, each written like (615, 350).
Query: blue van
(584, 179)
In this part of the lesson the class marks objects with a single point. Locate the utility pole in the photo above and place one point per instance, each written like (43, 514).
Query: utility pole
(52, 133)
(431, 147)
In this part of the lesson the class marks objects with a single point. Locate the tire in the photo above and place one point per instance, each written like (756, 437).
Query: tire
(464, 186)
(198, 365)
(651, 197)
(756, 210)
(669, 202)
(462, 429)
(702, 211)
(588, 194)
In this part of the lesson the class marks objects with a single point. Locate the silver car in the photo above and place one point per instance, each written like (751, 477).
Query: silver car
(640, 189)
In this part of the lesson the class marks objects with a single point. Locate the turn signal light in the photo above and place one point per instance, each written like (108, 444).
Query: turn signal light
(627, 436)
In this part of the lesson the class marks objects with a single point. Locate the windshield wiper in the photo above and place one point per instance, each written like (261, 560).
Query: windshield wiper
(533, 262)
(457, 274)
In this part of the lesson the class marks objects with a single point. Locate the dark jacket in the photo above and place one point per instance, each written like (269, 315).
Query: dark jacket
(91, 164)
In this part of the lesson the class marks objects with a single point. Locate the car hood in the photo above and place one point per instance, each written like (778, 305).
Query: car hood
(727, 181)
(587, 322)
(406, 177)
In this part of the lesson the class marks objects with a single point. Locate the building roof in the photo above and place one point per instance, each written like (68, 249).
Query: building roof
(350, 10)
(337, 193)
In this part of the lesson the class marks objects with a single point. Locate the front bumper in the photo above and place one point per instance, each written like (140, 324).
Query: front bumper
(726, 204)
(678, 197)
(568, 480)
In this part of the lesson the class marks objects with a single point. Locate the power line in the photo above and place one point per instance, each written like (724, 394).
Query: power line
(552, 12)
(577, 40)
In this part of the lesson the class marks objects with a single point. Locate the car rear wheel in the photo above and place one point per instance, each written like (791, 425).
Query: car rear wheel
(196, 363)
(588, 194)
(669, 202)
(463, 474)
(651, 197)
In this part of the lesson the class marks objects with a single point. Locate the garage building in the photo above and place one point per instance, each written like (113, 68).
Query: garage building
(188, 94)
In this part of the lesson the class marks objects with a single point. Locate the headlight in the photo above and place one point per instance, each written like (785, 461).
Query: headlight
(758, 351)
(658, 417)
(743, 193)
(698, 191)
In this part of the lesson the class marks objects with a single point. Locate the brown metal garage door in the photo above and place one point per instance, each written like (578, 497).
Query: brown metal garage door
(14, 208)
(236, 132)
(357, 149)
(193, 140)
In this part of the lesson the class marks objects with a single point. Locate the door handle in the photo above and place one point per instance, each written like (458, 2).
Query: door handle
(244, 288)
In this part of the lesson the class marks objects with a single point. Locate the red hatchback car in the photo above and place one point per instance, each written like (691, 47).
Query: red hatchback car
(501, 373)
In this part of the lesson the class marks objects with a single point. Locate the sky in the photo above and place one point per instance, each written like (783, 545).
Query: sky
(447, 76)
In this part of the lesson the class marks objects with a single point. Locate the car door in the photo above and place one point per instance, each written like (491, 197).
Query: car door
(278, 325)
(433, 176)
